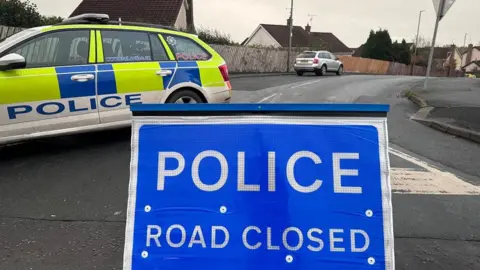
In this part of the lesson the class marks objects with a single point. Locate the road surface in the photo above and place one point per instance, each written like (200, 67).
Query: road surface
(63, 200)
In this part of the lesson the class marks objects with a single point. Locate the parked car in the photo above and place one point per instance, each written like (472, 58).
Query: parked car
(318, 62)
(84, 73)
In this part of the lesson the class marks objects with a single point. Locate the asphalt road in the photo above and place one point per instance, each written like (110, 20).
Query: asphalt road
(63, 200)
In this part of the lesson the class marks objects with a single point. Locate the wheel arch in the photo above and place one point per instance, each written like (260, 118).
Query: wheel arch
(189, 88)
(168, 92)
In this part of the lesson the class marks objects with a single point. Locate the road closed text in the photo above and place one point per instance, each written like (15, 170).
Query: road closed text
(256, 238)
(312, 184)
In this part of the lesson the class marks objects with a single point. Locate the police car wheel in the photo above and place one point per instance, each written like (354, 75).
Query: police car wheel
(185, 97)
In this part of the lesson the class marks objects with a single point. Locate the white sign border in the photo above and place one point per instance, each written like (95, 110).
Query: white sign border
(380, 123)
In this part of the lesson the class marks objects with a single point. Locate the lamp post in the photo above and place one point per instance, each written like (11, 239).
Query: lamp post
(290, 36)
(416, 40)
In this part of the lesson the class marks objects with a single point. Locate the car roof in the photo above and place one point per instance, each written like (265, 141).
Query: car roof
(315, 52)
(102, 21)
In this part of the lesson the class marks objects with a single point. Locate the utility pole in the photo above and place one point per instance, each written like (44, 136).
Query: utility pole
(290, 36)
(465, 40)
(430, 58)
(416, 41)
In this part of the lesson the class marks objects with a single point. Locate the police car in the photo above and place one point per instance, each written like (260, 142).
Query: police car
(83, 74)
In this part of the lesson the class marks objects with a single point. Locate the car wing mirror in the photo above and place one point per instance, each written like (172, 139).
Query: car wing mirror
(12, 61)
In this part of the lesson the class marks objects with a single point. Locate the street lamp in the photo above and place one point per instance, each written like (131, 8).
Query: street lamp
(416, 41)
(290, 34)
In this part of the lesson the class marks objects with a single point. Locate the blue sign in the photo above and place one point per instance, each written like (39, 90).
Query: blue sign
(257, 193)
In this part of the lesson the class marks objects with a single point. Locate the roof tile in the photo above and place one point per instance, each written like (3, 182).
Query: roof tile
(331, 42)
(148, 11)
(302, 38)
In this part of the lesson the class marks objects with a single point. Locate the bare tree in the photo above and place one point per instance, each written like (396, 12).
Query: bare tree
(423, 42)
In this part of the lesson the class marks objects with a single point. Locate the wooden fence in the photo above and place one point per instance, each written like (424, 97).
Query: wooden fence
(6, 31)
(255, 60)
(372, 66)
(267, 60)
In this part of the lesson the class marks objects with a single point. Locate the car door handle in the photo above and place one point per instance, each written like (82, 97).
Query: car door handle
(164, 72)
(82, 77)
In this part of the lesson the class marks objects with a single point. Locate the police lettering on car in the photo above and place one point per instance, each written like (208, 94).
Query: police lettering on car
(51, 108)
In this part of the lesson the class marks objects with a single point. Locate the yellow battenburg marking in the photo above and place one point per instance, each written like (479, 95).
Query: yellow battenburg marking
(167, 48)
(92, 56)
(210, 73)
(28, 85)
(137, 77)
(99, 47)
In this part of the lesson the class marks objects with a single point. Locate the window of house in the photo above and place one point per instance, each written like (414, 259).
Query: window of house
(63, 48)
(126, 46)
(186, 49)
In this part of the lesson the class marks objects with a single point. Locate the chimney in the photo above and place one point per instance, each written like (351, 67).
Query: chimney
(469, 54)
(308, 28)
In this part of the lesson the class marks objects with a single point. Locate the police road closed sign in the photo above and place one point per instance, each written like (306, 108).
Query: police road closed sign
(259, 186)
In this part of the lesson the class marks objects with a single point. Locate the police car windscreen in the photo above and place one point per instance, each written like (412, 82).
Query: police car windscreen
(306, 55)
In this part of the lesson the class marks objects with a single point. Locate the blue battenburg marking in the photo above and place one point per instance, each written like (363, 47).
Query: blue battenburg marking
(168, 66)
(72, 89)
(187, 71)
(106, 80)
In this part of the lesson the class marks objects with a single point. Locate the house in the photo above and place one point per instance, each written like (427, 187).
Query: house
(473, 67)
(439, 56)
(454, 57)
(278, 36)
(174, 13)
(471, 58)
(357, 52)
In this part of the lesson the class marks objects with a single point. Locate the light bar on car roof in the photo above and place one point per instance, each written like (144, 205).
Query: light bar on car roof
(91, 17)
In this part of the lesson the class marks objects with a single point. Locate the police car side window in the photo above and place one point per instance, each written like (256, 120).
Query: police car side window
(126, 46)
(64, 48)
(186, 49)
(158, 51)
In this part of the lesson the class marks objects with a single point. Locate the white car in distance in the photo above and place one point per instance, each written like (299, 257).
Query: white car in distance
(318, 62)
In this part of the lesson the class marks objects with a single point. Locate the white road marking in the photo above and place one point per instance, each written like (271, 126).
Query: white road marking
(267, 98)
(432, 181)
(303, 84)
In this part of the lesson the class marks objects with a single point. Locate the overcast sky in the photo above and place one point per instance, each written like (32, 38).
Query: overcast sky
(349, 20)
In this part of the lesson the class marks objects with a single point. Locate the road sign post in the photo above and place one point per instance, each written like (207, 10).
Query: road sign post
(441, 7)
(259, 186)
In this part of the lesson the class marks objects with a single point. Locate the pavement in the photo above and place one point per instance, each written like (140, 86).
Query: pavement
(450, 105)
(63, 200)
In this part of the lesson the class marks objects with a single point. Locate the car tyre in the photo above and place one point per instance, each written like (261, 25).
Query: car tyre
(340, 71)
(299, 73)
(185, 97)
(322, 71)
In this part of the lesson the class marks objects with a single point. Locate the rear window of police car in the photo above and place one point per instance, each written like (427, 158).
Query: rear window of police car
(186, 49)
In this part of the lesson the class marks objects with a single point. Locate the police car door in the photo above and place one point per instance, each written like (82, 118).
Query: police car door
(56, 88)
(131, 72)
